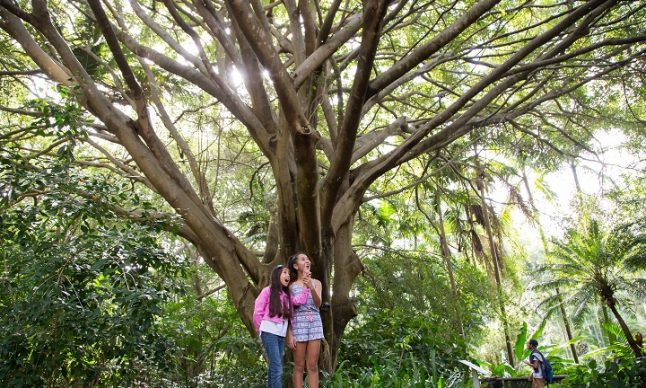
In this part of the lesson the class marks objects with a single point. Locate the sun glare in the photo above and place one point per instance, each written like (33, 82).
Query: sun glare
(235, 77)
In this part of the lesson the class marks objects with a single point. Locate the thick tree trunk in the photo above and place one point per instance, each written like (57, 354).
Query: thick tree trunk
(343, 308)
(323, 228)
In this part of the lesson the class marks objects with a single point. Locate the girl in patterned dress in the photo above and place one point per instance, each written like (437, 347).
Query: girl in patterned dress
(305, 326)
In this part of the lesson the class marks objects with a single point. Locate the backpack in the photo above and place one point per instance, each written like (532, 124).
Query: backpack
(546, 368)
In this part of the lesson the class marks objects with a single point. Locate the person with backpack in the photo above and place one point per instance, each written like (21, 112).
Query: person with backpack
(542, 369)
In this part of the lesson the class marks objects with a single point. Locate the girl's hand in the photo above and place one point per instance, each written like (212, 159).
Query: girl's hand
(307, 280)
(291, 342)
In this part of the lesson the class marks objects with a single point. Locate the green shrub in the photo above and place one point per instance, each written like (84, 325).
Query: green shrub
(390, 348)
(80, 288)
(620, 369)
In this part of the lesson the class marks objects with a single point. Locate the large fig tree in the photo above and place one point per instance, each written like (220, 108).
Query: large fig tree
(335, 96)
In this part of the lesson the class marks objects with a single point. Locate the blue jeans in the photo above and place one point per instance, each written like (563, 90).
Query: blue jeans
(274, 346)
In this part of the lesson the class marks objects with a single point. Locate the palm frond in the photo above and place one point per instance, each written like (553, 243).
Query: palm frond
(582, 300)
(516, 197)
(586, 261)
(635, 288)
(550, 285)
(539, 183)
(612, 329)
(476, 243)
(476, 211)
(581, 310)
(635, 261)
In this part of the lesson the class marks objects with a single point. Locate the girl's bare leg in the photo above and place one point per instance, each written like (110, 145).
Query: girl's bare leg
(313, 349)
(299, 364)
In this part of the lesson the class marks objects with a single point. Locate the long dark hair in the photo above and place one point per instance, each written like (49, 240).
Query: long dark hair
(276, 306)
(293, 272)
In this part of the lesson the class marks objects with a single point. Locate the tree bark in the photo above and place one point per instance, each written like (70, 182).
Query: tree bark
(624, 327)
(606, 320)
(343, 307)
(282, 116)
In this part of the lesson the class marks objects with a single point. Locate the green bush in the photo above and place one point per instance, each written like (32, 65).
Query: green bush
(213, 346)
(390, 348)
(80, 289)
(620, 369)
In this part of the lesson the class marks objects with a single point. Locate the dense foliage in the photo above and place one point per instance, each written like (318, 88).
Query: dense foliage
(81, 290)
(158, 157)
(403, 336)
(618, 369)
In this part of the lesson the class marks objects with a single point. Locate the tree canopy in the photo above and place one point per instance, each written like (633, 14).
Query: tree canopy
(308, 111)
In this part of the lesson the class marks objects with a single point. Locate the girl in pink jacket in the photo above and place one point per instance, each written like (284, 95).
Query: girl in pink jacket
(271, 315)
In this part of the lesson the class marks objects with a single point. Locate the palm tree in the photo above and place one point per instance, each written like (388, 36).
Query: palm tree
(590, 265)
(536, 219)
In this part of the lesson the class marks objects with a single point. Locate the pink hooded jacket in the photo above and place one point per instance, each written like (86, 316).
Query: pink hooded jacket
(261, 308)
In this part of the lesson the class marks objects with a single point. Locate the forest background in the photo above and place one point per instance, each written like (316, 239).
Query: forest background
(464, 175)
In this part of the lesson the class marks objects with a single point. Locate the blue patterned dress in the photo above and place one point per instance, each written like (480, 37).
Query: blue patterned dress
(306, 320)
